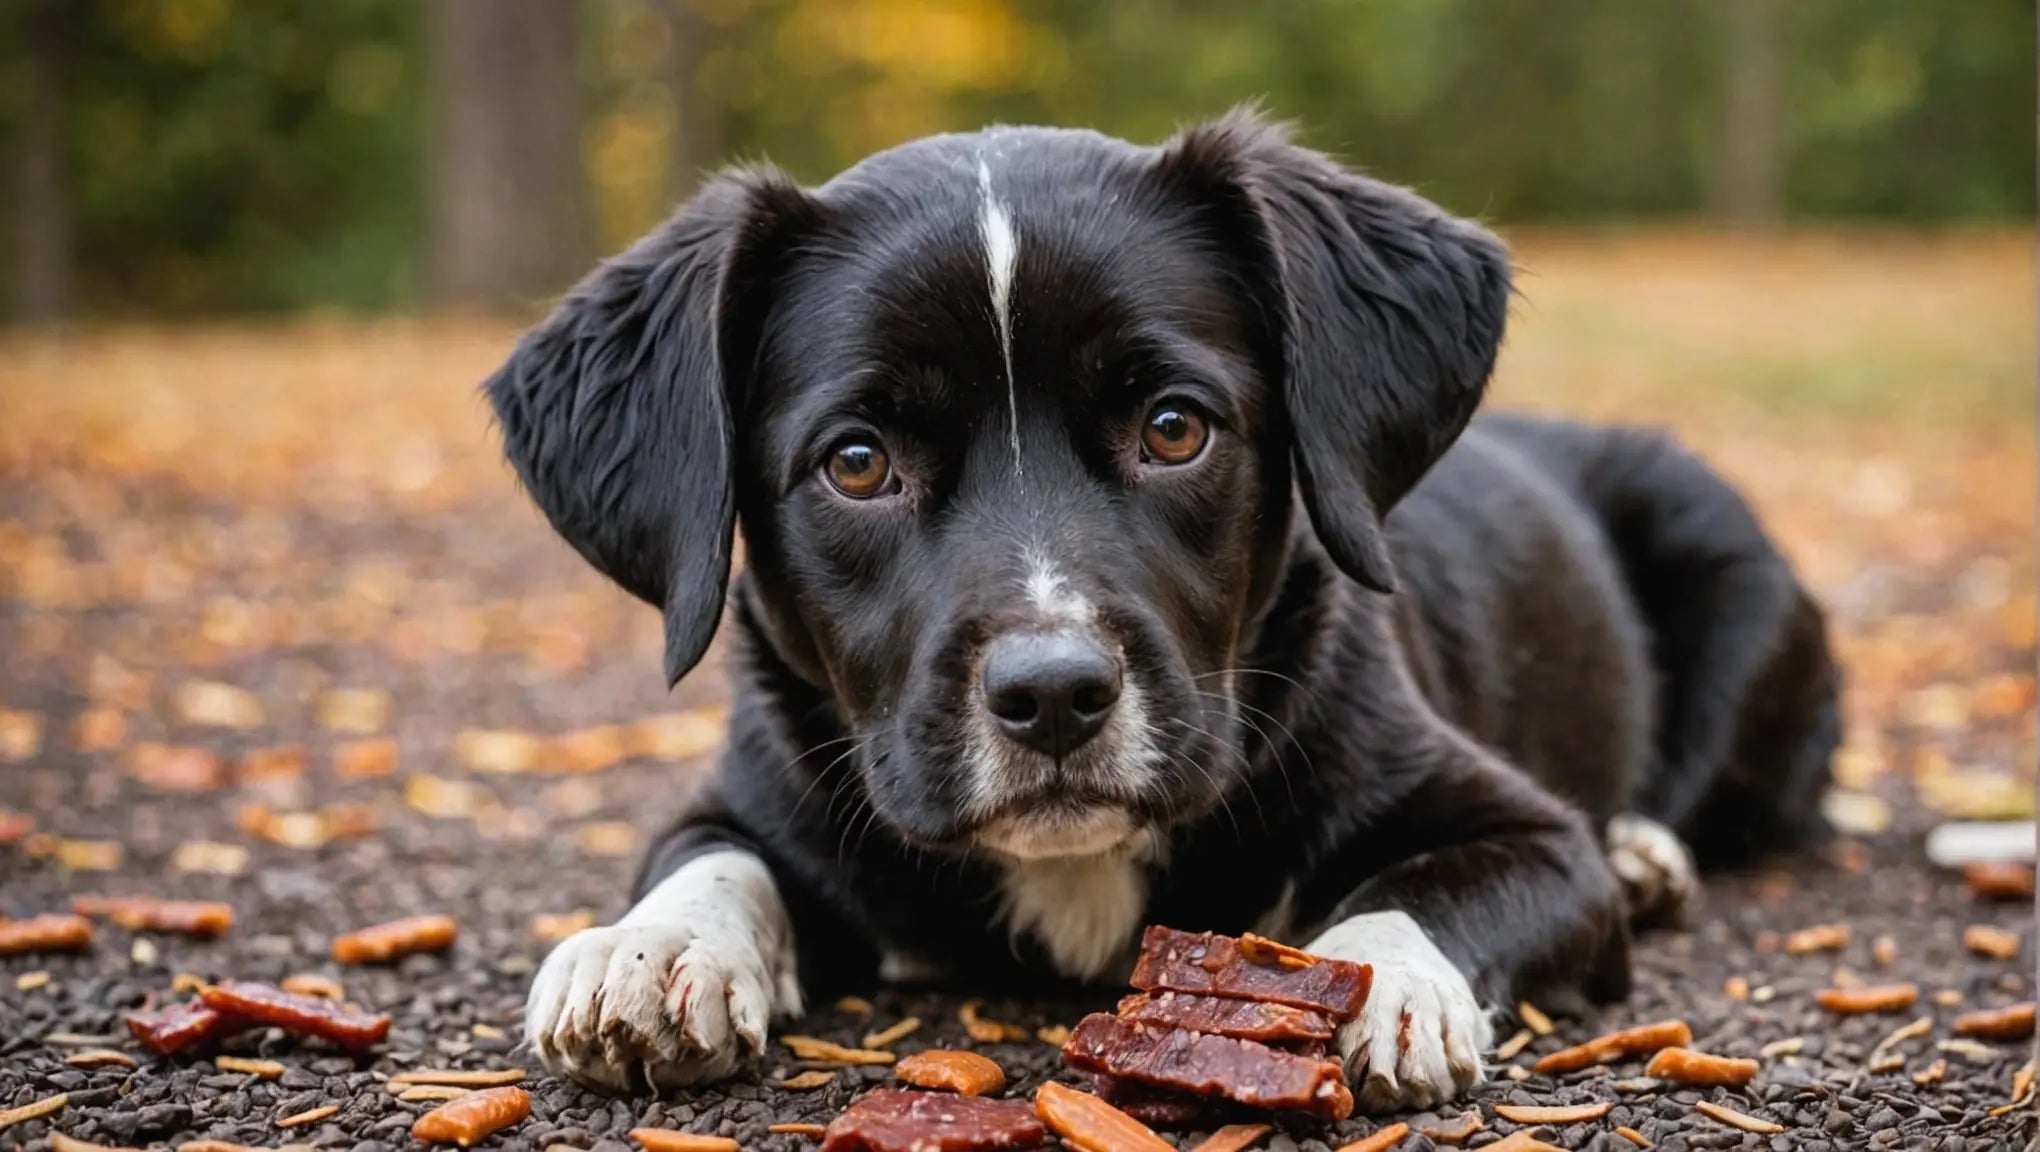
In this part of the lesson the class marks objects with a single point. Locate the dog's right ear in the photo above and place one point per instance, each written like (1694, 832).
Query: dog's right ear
(617, 410)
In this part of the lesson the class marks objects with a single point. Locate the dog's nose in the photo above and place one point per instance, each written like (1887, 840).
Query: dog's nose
(1052, 691)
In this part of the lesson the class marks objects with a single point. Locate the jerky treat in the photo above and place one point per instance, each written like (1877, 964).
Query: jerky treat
(1208, 964)
(202, 918)
(1163, 1108)
(473, 1117)
(303, 1015)
(892, 1120)
(1241, 1019)
(383, 943)
(1238, 1070)
(45, 934)
(173, 1029)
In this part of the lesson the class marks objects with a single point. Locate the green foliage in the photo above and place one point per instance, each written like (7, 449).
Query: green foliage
(264, 154)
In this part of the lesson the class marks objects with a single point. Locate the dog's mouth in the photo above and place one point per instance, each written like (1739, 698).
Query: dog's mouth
(1060, 827)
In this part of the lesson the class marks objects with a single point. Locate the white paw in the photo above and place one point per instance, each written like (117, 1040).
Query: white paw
(680, 992)
(1417, 1042)
(1656, 871)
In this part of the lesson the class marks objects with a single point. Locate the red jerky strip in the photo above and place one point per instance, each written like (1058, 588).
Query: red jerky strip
(891, 1120)
(1211, 965)
(1238, 1070)
(180, 1026)
(1157, 1107)
(303, 1015)
(1242, 1019)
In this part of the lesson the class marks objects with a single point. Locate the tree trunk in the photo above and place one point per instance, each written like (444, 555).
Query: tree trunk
(42, 208)
(509, 203)
(1749, 166)
(697, 124)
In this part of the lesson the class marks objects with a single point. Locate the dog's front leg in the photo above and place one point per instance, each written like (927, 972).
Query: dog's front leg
(679, 991)
(1475, 880)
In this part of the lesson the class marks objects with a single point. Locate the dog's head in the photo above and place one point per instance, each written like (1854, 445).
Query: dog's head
(1013, 423)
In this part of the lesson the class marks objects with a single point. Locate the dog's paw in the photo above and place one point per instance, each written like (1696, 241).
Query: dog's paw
(681, 992)
(1659, 882)
(1417, 1042)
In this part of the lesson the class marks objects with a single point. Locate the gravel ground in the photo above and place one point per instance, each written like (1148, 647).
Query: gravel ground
(478, 621)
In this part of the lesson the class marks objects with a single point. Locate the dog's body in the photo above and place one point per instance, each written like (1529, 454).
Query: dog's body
(1072, 604)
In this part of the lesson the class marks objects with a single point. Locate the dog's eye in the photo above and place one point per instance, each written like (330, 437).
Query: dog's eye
(1175, 434)
(860, 469)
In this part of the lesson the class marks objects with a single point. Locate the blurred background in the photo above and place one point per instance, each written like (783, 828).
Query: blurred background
(257, 255)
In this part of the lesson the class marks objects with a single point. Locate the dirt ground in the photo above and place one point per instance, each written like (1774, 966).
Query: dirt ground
(278, 630)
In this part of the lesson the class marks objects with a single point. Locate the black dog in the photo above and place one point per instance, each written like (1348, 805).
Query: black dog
(1073, 600)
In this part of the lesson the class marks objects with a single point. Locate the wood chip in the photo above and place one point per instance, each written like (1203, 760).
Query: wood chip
(313, 984)
(1873, 998)
(811, 1131)
(823, 1052)
(669, 1140)
(62, 1143)
(2014, 1022)
(1642, 1040)
(1932, 1074)
(1789, 1046)
(2000, 879)
(887, 1037)
(211, 857)
(1455, 1131)
(554, 927)
(1701, 1069)
(986, 1031)
(1970, 1050)
(855, 1006)
(1633, 1136)
(488, 1032)
(1521, 1142)
(1883, 951)
(1735, 1119)
(1554, 1114)
(1234, 1138)
(1381, 1140)
(1912, 1031)
(419, 1093)
(1736, 988)
(99, 1058)
(1993, 943)
(34, 1110)
(266, 1069)
(1514, 1044)
(309, 1116)
(1056, 1034)
(1533, 1018)
(807, 1081)
(1889, 1062)
(1820, 938)
(80, 1040)
(30, 981)
(461, 1077)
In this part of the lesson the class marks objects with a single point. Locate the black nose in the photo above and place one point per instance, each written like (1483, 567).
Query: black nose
(1050, 692)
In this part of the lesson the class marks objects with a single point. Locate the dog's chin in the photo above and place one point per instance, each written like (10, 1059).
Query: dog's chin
(1058, 833)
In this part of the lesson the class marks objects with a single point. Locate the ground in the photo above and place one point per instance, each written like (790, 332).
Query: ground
(282, 545)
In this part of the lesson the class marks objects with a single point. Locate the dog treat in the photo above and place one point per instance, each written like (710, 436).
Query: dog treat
(383, 943)
(1873, 998)
(2012, 1023)
(1632, 1135)
(1534, 1018)
(172, 1029)
(1380, 1140)
(1234, 1138)
(887, 1037)
(473, 1117)
(948, 1070)
(62, 1143)
(1089, 1124)
(99, 1058)
(811, 1131)
(202, 918)
(895, 1120)
(824, 1052)
(1558, 1114)
(1455, 1131)
(461, 1077)
(308, 1116)
(1521, 1141)
(1238, 1070)
(53, 933)
(1999, 879)
(1212, 965)
(1700, 1070)
(1241, 1019)
(313, 984)
(984, 1030)
(419, 1093)
(1994, 943)
(1642, 1040)
(303, 1015)
(805, 1081)
(1735, 1119)
(1159, 1108)
(265, 1069)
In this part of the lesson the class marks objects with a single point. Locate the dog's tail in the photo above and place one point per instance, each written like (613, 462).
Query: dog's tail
(1748, 692)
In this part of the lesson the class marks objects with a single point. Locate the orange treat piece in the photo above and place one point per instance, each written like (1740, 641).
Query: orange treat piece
(1089, 1124)
(1685, 1066)
(473, 1117)
(2012, 1023)
(1629, 1042)
(948, 1070)
(45, 934)
(202, 918)
(1873, 998)
(398, 938)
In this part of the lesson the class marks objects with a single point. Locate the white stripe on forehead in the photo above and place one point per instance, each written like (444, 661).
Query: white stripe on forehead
(1002, 252)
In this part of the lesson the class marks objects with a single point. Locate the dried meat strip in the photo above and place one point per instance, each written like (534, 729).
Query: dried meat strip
(892, 1120)
(304, 1015)
(1238, 1070)
(1208, 964)
(1163, 1108)
(173, 1029)
(1241, 1019)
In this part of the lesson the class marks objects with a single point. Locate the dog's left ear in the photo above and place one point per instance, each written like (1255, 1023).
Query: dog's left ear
(1385, 311)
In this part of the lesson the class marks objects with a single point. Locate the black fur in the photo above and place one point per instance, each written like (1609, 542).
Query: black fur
(1428, 692)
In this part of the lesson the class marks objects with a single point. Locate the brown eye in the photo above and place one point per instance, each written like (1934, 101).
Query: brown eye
(1174, 435)
(860, 469)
